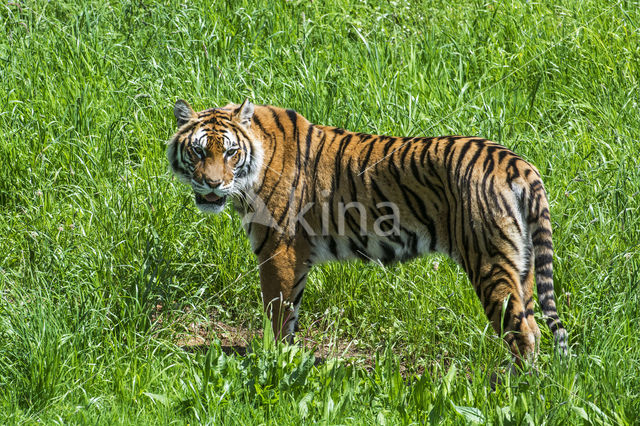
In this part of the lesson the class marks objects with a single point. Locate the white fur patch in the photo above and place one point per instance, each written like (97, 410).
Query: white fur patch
(200, 138)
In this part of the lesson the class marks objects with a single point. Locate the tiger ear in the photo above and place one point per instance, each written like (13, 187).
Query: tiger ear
(183, 112)
(244, 113)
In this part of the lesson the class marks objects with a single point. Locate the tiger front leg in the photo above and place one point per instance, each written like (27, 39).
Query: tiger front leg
(282, 280)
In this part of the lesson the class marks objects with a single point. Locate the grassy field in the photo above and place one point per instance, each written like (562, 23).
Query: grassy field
(108, 274)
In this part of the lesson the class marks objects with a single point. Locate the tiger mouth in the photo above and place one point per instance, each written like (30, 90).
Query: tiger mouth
(210, 198)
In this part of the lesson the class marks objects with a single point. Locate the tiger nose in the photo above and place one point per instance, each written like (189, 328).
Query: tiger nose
(213, 184)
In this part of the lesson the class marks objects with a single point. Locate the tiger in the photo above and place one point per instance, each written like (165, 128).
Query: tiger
(309, 194)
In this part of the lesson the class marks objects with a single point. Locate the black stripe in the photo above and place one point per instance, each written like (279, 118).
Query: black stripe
(540, 231)
(543, 259)
(470, 166)
(507, 315)
(258, 250)
(388, 253)
(365, 161)
(333, 247)
(379, 192)
(387, 146)
(403, 155)
(492, 308)
(319, 152)
(463, 151)
(420, 213)
(300, 281)
(488, 290)
(451, 223)
(293, 116)
(510, 212)
(258, 123)
(496, 268)
(544, 287)
(276, 119)
(308, 143)
(543, 243)
(298, 298)
(418, 176)
(512, 169)
(342, 146)
(544, 273)
(357, 251)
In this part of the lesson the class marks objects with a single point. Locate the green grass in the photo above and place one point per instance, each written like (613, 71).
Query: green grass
(95, 233)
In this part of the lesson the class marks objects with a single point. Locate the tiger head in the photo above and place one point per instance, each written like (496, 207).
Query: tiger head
(214, 151)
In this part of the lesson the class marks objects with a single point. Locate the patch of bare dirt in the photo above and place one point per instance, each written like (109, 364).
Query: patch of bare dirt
(195, 334)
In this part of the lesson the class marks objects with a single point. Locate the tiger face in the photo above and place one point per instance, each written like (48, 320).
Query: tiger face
(213, 152)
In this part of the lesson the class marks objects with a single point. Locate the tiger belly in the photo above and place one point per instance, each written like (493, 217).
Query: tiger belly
(400, 247)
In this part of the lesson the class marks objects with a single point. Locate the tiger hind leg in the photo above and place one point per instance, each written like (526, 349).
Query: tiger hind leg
(528, 283)
(508, 304)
